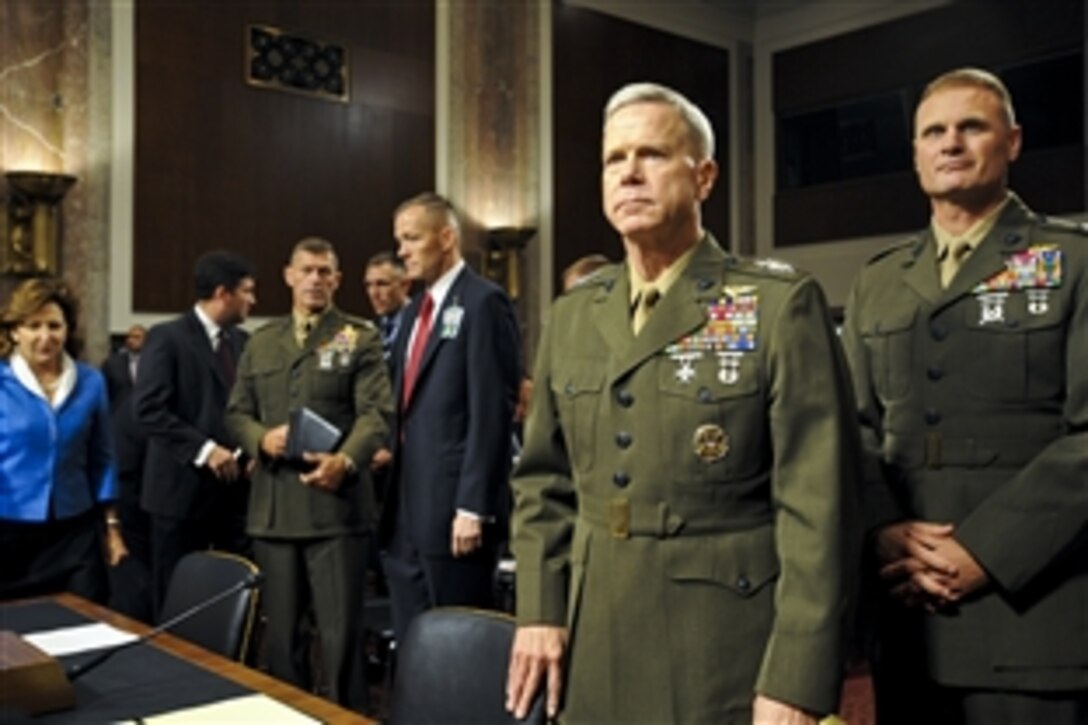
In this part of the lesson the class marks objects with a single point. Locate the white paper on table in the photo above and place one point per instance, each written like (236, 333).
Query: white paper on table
(82, 638)
(256, 708)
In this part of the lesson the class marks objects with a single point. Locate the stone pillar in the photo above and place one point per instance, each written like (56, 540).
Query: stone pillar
(54, 117)
(489, 80)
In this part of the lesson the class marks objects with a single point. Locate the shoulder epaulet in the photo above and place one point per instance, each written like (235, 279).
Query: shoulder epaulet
(266, 327)
(601, 277)
(768, 267)
(905, 245)
(1063, 225)
(360, 321)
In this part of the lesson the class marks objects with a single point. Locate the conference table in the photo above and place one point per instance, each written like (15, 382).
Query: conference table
(164, 676)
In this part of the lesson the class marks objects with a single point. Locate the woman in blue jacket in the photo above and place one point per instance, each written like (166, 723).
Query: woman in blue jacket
(57, 473)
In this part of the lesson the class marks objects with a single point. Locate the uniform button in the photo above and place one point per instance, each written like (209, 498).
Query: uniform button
(1012, 324)
(939, 332)
(1012, 238)
(934, 373)
(569, 388)
(705, 396)
(621, 479)
(624, 398)
(623, 439)
(933, 417)
(296, 373)
(743, 584)
(704, 284)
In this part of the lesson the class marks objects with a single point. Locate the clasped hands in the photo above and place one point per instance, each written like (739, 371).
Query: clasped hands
(925, 566)
(329, 469)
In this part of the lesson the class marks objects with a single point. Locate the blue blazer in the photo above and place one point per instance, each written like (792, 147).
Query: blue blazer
(452, 449)
(63, 456)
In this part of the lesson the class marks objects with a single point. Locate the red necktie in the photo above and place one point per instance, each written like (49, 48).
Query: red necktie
(419, 342)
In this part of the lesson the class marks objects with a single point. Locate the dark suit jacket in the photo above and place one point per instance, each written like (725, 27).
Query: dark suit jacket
(128, 437)
(453, 451)
(180, 399)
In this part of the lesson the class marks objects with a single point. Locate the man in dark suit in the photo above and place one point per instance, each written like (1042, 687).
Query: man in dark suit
(130, 580)
(456, 379)
(194, 489)
(310, 518)
(968, 345)
(389, 293)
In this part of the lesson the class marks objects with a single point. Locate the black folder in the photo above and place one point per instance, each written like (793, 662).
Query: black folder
(308, 432)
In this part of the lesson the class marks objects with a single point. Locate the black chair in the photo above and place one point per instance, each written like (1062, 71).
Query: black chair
(224, 627)
(451, 668)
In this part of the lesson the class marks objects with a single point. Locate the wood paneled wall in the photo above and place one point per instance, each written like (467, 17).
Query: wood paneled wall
(220, 164)
(594, 55)
(903, 56)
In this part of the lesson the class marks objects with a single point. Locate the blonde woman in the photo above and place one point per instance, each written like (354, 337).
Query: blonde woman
(57, 473)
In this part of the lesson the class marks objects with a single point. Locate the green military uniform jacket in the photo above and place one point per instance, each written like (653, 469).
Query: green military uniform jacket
(690, 515)
(339, 373)
(974, 410)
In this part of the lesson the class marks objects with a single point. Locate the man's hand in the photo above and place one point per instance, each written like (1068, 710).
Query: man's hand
(951, 585)
(766, 711)
(537, 652)
(116, 550)
(274, 441)
(926, 565)
(223, 464)
(467, 535)
(382, 458)
(329, 473)
(893, 542)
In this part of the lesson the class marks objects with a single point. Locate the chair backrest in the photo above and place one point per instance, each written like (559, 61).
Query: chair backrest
(225, 626)
(451, 669)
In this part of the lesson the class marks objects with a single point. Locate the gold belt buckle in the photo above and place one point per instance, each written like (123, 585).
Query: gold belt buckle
(619, 518)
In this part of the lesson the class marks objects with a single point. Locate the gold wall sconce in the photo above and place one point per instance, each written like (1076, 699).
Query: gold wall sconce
(31, 231)
(502, 257)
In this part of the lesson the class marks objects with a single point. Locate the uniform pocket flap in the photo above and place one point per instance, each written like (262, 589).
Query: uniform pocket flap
(270, 366)
(889, 322)
(743, 561)
(576, 382)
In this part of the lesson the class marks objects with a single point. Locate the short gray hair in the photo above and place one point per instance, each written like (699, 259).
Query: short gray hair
(702, 133)
(438, 209)
(973, 78)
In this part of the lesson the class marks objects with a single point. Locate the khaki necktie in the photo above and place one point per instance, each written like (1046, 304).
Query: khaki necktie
(954, 257)
(643, 306)
(302, 331)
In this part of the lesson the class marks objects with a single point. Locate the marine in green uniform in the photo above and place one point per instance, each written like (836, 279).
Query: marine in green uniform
(686, 514)
(309, 521)
(969, 348)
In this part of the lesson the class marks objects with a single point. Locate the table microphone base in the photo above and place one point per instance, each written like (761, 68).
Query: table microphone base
(31, 682)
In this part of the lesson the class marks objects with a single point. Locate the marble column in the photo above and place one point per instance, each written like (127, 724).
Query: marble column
(490, 76)
(54, 116)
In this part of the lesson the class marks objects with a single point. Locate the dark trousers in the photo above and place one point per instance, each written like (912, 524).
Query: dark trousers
(903, 699)
(173, 538)
(418, 582)
(49, 557)
(130, 580)
(327, 575)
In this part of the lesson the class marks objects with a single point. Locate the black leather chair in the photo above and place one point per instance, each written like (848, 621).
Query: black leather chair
(451, 669)
(224, 627)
